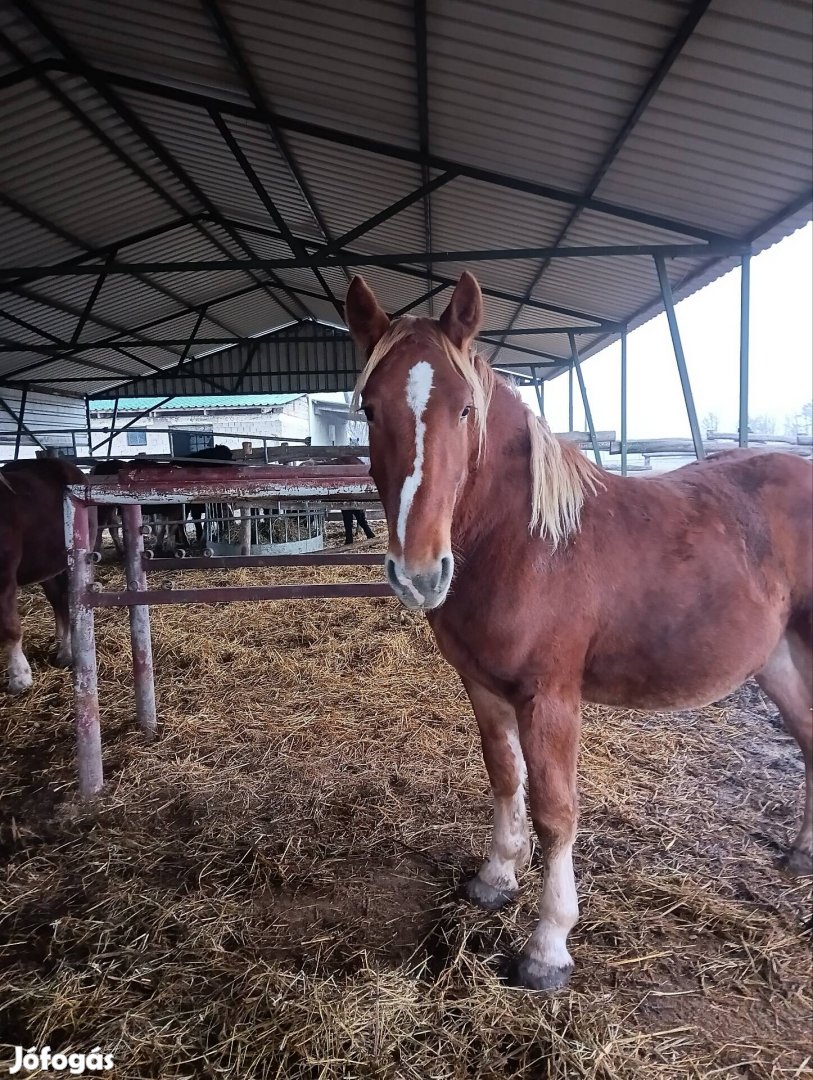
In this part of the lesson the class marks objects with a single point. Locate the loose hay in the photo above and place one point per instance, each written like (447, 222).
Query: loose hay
(269, 890)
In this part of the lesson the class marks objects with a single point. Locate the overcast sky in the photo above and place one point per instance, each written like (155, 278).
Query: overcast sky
(781, 354)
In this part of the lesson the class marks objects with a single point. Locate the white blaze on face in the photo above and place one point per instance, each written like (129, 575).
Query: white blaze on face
(418, 389)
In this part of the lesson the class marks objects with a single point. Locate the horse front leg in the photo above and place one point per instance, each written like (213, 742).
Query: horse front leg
(11, 638)
(549, 734)
(496, 881)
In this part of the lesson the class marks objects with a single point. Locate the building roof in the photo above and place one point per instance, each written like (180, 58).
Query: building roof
(218, 401)
(181, 176)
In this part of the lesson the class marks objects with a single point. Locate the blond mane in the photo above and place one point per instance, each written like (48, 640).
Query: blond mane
(560, 477)
(560, 474)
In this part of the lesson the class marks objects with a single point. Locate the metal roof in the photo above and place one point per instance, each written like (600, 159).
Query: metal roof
(197, 402)
(181, 176)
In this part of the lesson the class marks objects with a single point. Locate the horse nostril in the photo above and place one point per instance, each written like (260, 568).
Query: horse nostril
(392, 577)
(446, 566)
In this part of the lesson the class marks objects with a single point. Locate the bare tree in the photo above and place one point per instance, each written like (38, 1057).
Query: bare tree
(762, 425)
(710, 423)
(800, 423)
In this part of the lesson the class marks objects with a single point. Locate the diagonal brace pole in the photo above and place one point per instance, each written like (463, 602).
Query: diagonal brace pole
(588, 414)
(680, 358)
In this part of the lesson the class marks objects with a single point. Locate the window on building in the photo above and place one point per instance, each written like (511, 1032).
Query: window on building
(185, 443)
(136, 437)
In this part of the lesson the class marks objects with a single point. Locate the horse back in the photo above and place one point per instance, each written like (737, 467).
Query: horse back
(770, 497)
(32, 532)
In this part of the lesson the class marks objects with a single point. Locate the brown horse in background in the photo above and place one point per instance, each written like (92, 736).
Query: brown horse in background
(547, 581)
(32, 549)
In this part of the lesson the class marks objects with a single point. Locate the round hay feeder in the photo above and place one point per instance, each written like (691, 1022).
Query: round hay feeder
(279, 529)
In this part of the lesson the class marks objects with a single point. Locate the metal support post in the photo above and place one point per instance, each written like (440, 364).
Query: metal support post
(140, 638)
(20, 423)
(745, 327)
(677, 345)
(570, 398)
(623, 402)
(588, 415)
(83, 645)
(539, 387)
(112, 427)
(87, 424)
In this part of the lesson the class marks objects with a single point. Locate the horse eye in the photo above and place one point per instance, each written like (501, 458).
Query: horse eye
(465, 412)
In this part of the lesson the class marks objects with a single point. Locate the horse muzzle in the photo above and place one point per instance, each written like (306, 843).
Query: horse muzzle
(423, 588)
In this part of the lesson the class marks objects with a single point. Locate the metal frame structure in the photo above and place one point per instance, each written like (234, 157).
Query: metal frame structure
(242, 485)
(235, 242)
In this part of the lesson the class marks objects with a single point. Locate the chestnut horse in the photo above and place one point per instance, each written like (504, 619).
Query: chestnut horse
(32, 549)
(547, 581)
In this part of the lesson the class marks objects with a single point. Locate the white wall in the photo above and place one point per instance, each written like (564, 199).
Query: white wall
(289, 421)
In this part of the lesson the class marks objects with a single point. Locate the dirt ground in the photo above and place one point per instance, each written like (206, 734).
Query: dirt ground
(270, 889)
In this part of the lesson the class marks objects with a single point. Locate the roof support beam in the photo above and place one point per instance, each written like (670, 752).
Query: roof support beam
(269, 204)
(400, 153)
(680, 358)
(420, 300)
(18, 420)
(497, 294)
(111, 252)
(133, 122)
(588, 412)
(422, 84)
(695, 13)
(83, 318)
(422, 192)
(229, 40)
(357, 258)
(9, 346)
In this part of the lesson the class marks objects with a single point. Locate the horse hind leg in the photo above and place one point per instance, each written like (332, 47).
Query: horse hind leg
(11, 639)
(787, 679)
(56, 591)
(496, 882)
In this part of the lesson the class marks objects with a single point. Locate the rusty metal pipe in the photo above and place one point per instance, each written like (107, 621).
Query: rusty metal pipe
(140, 637)
(83, 644)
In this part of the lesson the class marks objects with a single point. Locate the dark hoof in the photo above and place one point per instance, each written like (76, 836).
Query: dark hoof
(799, 863)
(486, 896)
(530, 974)
(60, 661)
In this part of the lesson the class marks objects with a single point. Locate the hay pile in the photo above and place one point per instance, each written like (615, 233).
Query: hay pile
(269, 890)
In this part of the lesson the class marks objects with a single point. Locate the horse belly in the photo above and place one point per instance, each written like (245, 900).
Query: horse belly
(664, 673)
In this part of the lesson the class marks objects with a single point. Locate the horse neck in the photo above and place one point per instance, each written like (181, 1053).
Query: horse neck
(497, 491)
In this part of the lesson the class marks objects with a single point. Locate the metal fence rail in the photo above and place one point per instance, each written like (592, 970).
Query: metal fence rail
(129, 490)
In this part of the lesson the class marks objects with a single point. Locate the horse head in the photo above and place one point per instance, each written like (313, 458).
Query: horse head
(425, 399)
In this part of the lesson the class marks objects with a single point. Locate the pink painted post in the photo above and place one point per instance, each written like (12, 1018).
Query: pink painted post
(83, 641)
(140, 637)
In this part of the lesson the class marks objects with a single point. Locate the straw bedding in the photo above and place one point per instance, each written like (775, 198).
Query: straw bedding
(270, 888)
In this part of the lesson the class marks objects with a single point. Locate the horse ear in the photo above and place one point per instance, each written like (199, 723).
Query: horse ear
(461, 320)
(366, 321)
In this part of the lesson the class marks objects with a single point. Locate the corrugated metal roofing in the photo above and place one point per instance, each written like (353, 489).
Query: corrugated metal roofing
(219, 401)
(174, 132)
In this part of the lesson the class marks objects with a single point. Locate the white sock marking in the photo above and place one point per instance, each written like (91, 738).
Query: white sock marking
(19, 671)
(509, 839)
(418, 389)
(558, 912)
